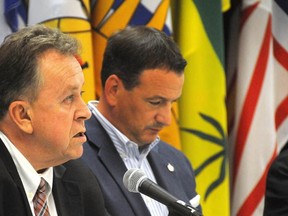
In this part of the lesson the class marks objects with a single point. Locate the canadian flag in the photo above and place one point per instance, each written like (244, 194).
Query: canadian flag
(259, 124)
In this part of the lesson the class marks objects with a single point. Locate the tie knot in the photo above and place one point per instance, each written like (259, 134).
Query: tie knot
(42, 186)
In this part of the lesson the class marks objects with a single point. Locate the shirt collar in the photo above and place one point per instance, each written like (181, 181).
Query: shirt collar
(125, 147)
(29, 177)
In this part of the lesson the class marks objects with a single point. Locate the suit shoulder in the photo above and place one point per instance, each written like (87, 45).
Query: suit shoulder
(77, 170)
(167, 148)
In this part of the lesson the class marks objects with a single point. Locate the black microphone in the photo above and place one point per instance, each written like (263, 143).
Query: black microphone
(136, 181)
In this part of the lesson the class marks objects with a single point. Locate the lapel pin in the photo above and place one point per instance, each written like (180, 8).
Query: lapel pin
(170, 167)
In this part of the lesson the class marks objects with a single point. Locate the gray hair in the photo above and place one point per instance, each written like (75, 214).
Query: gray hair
(19, 54)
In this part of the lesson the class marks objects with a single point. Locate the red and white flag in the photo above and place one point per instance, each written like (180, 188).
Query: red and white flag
(260, 117)
(280, 49)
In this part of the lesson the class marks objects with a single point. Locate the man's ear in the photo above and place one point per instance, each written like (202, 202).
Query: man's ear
(19, 112)
(112, 87)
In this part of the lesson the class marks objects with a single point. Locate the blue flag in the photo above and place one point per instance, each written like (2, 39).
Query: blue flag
(13, 10)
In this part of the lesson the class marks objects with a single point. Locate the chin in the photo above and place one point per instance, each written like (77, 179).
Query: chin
(75, 154)
(147, 141)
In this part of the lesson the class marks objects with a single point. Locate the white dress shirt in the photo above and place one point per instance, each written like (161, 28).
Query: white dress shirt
(132, 157)
(29, 177)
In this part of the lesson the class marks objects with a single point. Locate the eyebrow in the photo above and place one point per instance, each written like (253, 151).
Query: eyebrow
(161, 98)
(72, 88)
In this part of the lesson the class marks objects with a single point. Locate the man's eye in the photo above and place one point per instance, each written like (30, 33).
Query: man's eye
(155, 102)
(69, 98)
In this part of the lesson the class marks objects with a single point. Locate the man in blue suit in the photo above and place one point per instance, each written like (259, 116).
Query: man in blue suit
(142, 75)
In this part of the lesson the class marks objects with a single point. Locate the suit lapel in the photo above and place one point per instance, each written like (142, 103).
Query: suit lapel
(165, 171)
(8, 162)
(11, 168)
(159, 165)
(66, 194)
(113, 163)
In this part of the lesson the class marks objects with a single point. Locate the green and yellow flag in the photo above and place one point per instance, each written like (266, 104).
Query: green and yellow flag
(202, 108)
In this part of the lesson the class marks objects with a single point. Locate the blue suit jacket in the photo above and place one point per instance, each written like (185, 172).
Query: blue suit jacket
(75, 189)
(102, 157)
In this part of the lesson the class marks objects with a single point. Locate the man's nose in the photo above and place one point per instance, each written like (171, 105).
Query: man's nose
(164, 115)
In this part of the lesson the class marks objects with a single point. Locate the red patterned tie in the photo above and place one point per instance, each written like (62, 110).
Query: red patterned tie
(39, 200)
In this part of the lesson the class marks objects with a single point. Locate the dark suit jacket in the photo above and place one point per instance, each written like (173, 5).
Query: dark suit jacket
(102, 157)
(276, 196)
(75, 189)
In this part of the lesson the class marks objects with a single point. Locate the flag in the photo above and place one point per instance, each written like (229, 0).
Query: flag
(13, 16)
(280, 50)
(4, 27)
(202, 106)
(109, 16)
(71, 17)
(15, 13)
(260, 112)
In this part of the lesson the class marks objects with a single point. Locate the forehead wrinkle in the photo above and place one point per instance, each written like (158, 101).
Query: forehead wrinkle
(59, 73)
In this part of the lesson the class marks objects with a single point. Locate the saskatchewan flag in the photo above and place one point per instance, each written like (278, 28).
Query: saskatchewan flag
(202, 108)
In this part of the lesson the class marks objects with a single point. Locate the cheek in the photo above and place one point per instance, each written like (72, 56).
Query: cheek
(135, 112)
(141, 118)
(55, 125)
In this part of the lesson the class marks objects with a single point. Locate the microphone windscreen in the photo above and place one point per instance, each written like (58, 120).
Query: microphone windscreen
(133, 178)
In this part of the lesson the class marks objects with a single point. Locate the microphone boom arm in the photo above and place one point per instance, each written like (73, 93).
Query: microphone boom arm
(136, 181)
(174, 205)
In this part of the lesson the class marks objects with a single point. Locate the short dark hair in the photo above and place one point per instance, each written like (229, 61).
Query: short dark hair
(19, 53)
(131, 51)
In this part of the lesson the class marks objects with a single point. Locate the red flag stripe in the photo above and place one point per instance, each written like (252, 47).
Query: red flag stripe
(281, 112)
(251, 99)
(280, 54)
(257, 193)
(247, 13)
